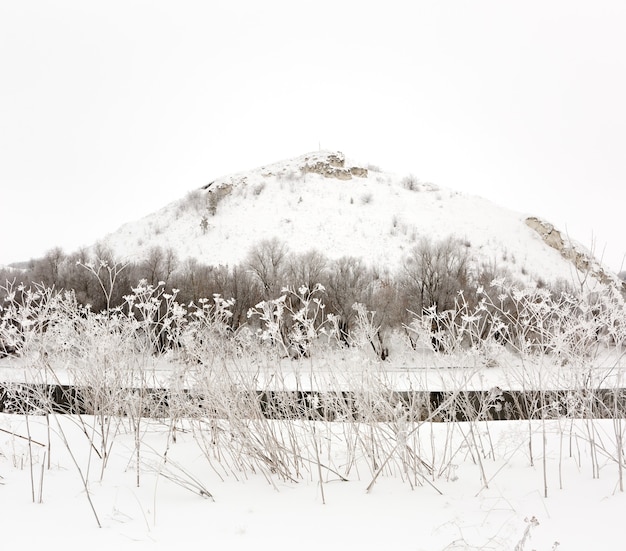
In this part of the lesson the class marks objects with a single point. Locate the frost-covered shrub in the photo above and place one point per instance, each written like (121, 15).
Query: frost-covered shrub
(366, 198)
(536, 324)
(194, 200)
(292, 322)
(410, 182)
(207, 334)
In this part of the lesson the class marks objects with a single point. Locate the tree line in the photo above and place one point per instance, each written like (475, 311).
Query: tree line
(432, 277)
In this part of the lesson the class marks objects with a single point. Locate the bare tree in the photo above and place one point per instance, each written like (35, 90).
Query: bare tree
(243, 287)
(47, 270)
(348, 281)
(75, 277)
(306, 269)
(434, 273)
(159, 265)
(431, 277)
(267, 261)
(191, 279)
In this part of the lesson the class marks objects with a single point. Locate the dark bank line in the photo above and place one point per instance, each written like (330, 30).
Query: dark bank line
(417, 405)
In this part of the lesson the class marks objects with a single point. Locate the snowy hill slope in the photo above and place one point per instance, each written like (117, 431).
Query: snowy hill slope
(324, 202)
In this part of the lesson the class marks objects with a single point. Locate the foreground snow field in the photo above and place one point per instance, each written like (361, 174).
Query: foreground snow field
(457, 509)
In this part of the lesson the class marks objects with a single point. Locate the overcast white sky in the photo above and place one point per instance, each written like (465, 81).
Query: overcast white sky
(109, 110)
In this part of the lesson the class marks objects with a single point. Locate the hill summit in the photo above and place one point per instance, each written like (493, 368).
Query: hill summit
(325, 202)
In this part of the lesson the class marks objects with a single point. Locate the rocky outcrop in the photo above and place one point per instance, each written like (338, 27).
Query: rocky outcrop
(583, 261)
(332, 166)
(336, 159)
(548, 233)
(358, 171)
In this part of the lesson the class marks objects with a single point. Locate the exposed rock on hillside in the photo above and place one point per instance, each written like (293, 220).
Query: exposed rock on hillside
(548, 232)
(332, 166)
(582, 260)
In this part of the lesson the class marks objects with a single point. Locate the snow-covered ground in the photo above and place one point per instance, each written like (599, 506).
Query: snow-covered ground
(242, 482)
(504, 508)
(348, 369)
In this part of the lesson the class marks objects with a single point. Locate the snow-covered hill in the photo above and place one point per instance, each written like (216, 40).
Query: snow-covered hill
(325, 202)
